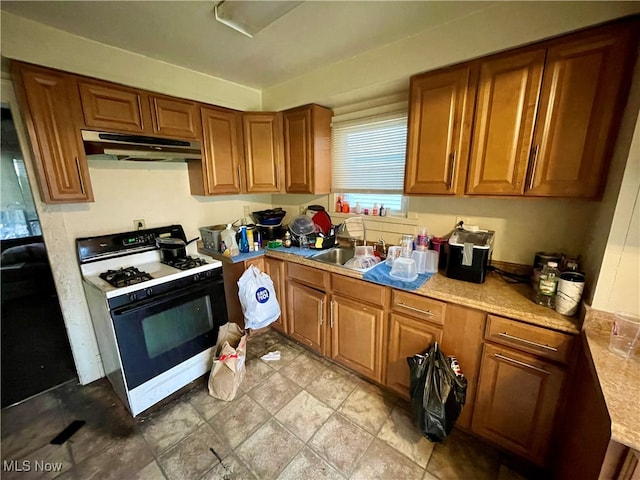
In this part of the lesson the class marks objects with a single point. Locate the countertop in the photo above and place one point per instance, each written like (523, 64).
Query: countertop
(493, 296)
(619, 379)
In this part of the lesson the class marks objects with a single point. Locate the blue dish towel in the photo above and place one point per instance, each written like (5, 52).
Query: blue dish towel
(380, 274)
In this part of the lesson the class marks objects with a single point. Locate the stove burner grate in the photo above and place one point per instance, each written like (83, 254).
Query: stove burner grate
(185, 263)
(124, 277)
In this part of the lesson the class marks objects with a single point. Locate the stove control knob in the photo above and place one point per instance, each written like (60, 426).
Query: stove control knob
(149, 292)
(132, 296)
(196, 277)
(208, 273)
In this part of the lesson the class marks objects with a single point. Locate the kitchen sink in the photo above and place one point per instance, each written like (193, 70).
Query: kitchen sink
(335, 256)
(339, 256)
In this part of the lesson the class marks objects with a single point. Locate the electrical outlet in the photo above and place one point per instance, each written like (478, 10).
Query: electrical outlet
(246, 210)
(302, 209)
(139, 224)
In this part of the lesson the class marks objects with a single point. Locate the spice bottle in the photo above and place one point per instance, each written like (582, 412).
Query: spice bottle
(287, 240)
(375, 210)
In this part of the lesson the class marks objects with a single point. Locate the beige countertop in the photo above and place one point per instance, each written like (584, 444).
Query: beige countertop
(619, 379)
(493, 296)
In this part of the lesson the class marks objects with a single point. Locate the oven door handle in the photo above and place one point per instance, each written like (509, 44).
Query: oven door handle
(144, 303)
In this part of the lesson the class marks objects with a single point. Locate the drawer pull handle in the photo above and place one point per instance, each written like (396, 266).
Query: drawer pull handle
(518, 362)
(426, 312)
(320, 310)
(528, 342)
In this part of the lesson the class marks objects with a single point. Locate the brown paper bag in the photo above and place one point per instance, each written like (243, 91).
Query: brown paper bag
(229, 366)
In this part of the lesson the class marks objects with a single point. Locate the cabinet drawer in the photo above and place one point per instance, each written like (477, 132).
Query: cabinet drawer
(418, 306)
(359, 290)
(529, 338)
(307, 275)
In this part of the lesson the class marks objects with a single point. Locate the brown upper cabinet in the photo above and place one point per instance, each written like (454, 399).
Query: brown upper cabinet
(307, 149)
(263, 167)
(113, 107)
(218, 172)
(51, 109)
(584, 92)
(175, 117)
(106, 106)
(544, 118)
(441, 105)
(506, 100)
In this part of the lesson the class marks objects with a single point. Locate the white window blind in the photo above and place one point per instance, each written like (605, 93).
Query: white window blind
(369, 154)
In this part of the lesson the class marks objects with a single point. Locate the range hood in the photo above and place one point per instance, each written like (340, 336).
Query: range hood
(138, 148)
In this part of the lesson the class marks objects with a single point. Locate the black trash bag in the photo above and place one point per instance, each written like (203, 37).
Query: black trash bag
(437, 393)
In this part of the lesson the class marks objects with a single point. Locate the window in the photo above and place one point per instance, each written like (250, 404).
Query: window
(368, 160)
(18, 216)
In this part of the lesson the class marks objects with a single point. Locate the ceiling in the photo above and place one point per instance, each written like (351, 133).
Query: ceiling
(311, 35)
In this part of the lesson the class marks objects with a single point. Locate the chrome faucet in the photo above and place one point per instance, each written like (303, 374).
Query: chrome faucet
(381, 243)
(353, 229)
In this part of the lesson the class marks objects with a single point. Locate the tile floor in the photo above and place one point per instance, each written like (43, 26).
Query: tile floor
(301, 417)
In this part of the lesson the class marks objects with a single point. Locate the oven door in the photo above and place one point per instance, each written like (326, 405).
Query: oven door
(161, 332)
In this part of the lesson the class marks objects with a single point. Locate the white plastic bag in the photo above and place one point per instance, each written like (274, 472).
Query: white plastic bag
(257, 298)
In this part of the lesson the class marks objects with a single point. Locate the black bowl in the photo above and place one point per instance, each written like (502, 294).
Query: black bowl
(269, 217)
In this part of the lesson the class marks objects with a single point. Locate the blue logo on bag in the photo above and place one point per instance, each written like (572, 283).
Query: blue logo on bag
(262, 295)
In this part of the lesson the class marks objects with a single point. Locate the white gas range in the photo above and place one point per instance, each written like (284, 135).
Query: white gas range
(156, 324)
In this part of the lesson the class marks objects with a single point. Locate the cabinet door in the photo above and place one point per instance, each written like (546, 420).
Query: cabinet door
(440, 110)
(262, 151)
(175, 117)
(219, 170)
(306, 311)
(275, 269)
(356, 335)
(508, 90)
(51, 108)
(581, 105)
(307, 149)
(516, 401)
(407, 336)
(462, 337)
(112, 107)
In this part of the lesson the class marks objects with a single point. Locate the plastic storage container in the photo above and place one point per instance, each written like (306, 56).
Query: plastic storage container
(404, 269)
(211, 236)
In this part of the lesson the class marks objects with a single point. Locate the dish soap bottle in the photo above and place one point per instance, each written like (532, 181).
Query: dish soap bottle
(229, 246)
(244, 241)
(548, 286)
(339, 204)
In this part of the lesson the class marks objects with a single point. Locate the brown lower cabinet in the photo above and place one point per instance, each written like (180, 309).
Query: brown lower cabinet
(516, 401)
(515, 371)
